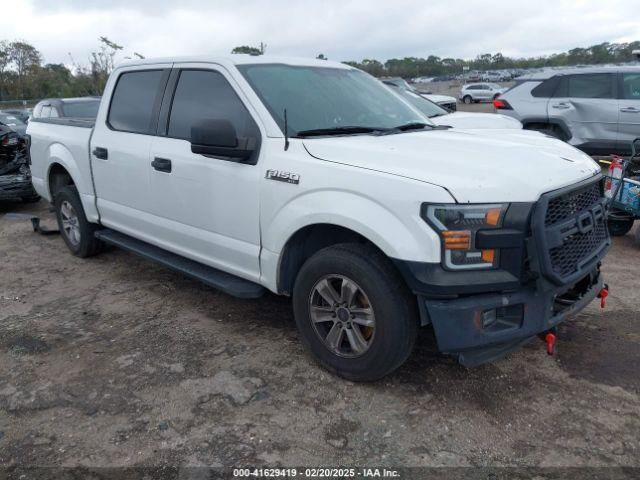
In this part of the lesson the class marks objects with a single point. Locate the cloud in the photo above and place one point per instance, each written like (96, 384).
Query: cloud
(342, 30)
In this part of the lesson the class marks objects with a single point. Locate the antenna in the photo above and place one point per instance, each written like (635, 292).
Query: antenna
(286, 131)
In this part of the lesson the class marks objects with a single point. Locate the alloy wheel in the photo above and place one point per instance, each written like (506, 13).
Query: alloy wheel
(342, 316)
(70, 223)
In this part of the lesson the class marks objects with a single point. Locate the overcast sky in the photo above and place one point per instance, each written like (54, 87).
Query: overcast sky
(342, 30)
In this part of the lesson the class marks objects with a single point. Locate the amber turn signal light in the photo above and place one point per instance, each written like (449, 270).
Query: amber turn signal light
(457, 239)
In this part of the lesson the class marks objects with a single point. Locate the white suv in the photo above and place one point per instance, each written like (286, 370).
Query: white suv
(480, 92)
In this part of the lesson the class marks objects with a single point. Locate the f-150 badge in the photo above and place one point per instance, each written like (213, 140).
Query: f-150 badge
(286, 177)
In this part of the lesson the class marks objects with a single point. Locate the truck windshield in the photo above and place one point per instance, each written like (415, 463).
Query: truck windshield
(343, 101)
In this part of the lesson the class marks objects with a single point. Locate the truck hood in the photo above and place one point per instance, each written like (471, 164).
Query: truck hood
(474, 165)
(477, 120)
(438, 98)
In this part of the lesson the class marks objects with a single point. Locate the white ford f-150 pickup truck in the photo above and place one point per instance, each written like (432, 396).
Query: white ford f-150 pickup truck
(312, 179)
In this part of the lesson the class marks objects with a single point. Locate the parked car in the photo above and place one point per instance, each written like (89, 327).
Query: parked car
(442, 116)
(596, 109)
(480, 92)
(22, 113)
(13, 122)
(445, 101)
(15, 177)
(491, 77)
(310, 178)
(81, 107)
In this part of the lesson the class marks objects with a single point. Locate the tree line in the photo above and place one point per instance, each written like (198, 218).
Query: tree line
(433, 66)
(25, 75)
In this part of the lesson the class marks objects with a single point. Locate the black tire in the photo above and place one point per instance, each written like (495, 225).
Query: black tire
(619, 228)
(87, 245)
(393, 306)
(467, 99)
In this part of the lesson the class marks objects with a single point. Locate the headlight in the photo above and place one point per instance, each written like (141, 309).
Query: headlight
(457, 226)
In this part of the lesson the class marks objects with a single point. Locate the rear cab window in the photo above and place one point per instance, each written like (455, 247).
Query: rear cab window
(83, 109)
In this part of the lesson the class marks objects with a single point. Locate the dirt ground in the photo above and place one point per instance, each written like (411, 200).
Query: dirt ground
(115, 361)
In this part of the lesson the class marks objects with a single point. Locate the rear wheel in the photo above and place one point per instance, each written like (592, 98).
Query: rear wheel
(547, 129)
(74, 227)
(619, 227)
(467, 99)
(354, 312)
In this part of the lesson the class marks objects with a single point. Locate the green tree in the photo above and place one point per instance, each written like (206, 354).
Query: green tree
(251, 50)
(25, 58)
(5, 60)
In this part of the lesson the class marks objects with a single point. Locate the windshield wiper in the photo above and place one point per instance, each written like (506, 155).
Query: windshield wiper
(345, 130)
(412, 126)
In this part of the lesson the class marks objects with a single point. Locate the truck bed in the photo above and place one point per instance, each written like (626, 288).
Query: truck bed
(69, 121)
(65, 142)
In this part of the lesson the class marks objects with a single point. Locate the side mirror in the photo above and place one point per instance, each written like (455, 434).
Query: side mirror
(218, 138)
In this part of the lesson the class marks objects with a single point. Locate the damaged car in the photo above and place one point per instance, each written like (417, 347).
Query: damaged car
(15, 175)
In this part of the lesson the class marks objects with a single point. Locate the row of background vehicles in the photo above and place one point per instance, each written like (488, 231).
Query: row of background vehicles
(15, 175)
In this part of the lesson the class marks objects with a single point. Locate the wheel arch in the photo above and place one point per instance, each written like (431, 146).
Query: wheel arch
(305, 242)
(58, 177)
(561, 126)
(62, 169)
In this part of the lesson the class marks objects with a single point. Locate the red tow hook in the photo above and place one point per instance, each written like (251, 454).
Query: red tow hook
(603, 294)
(550, 340)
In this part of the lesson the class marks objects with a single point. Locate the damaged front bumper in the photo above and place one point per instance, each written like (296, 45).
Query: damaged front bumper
(482, 328)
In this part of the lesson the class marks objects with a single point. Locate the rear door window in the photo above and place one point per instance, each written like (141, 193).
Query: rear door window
(134, 101)
(587, 85)
(631, 86)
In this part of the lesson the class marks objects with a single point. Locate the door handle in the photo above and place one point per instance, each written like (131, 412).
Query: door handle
(161, 164)
(101, 153)
(630, 110)
(560, 106)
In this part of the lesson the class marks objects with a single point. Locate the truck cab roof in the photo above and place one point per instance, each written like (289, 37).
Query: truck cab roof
(236, 59)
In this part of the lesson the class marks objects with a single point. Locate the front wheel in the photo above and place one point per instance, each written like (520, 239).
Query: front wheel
(354, 312)
(467, 99)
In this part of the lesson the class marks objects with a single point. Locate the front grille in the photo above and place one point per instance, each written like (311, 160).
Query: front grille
(571, 230)
(566, 259)
(572, 203)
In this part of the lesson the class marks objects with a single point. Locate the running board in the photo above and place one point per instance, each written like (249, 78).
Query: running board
(217, 279)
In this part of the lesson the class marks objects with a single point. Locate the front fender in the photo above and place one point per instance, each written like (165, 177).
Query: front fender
(399, 235)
